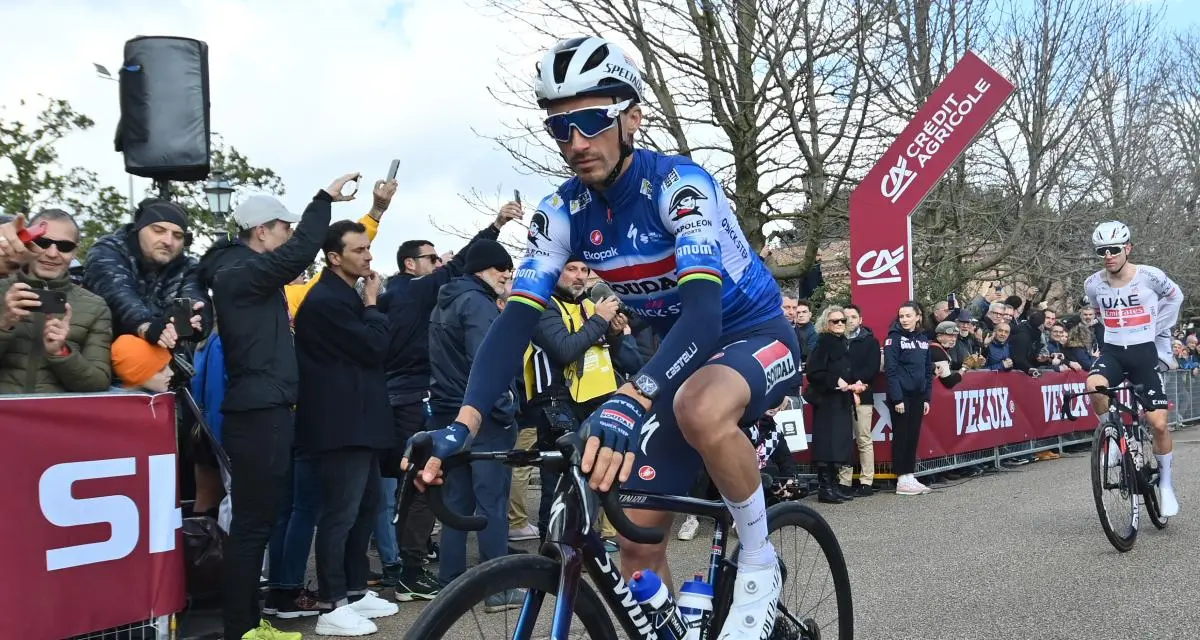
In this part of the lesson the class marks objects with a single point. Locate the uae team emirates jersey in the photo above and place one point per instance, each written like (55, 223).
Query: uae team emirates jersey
(663, 222)
(1138, 312)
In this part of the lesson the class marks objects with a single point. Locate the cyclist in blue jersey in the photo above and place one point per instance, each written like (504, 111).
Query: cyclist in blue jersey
(660, 231)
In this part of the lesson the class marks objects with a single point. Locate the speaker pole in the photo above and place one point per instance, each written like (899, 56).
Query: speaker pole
(164, 189)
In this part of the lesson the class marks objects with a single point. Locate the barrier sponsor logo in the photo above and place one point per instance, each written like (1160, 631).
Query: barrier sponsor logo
(881, 431)
(1052, 399)
(977, 410)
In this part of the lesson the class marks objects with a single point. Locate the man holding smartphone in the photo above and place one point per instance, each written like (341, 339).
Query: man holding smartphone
(55, 337)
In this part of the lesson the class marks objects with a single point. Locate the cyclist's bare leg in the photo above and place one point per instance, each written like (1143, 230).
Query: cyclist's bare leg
(1099, 400)
(635, 557)
(1158, 419)
(707, 408)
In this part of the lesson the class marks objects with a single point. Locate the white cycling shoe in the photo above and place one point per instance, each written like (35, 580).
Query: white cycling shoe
(1168, 504)
(755, 599)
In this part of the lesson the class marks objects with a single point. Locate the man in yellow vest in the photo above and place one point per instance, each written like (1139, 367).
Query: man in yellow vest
(580, 353)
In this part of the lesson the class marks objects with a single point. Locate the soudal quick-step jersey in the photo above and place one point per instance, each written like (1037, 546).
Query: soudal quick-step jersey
(664, 222)
(1138, 312)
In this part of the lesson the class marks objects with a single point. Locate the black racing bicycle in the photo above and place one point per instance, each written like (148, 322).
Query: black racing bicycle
(573, 544)
(1124, 467)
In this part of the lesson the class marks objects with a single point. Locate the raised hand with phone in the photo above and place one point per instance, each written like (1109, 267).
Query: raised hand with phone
(513, 210)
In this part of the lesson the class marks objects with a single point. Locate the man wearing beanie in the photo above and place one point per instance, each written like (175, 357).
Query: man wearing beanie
(466, 308)
(140, 269)
(409, 300)
(247, 276)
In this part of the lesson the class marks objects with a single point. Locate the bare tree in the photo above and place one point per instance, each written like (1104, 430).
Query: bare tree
(768, 95)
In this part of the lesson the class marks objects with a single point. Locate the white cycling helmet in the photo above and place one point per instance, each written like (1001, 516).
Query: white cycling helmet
(588, 66)
(1109, 234)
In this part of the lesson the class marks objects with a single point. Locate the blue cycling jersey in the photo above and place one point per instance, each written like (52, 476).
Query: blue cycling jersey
(664, 222)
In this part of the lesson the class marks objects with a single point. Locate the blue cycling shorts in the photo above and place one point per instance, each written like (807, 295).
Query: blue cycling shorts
(767, 357)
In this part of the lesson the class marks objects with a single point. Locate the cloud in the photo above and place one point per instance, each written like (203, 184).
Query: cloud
(310, 88)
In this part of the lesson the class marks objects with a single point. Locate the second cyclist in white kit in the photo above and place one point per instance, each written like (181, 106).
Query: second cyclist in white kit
(1138, 306)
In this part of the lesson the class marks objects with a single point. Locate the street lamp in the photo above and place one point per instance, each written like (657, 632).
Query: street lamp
(219, 191)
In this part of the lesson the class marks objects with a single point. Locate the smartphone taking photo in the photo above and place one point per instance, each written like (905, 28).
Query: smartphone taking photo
(181, 316)
(393, 170)
(52, 301)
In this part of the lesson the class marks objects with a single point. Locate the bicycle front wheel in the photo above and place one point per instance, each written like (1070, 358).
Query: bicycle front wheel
(815, 601)
(459, 610)
(1114, 486)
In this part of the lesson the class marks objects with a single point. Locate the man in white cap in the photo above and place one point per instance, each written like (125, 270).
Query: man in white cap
(247, 276)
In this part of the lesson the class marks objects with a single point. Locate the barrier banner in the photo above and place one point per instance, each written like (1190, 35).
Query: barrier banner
(91, 513)
(986, 410)
(880, 235)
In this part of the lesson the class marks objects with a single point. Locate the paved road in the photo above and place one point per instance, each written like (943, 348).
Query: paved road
(1017, 554)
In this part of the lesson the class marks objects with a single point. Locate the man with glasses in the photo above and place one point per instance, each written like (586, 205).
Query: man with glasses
(1138, 306)
(661, 232)
(408, 300)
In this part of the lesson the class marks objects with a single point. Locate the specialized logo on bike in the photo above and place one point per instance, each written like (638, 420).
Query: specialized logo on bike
(884, 270)
(1052, 399)
(777, 363)
(977, 410)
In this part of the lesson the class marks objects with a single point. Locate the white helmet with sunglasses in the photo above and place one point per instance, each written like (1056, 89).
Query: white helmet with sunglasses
(588, 66)
(1110, 234)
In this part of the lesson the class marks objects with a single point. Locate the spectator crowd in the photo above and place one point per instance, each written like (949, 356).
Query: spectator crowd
(309, 387)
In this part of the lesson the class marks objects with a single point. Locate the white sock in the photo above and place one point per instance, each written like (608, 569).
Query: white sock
(750, 517)
(1164, 469)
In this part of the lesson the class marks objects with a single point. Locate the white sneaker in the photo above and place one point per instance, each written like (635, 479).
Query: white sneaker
(344, 621)
(755, 598)
(920, 485)
(527, 532)
(372, 606)
(908, 486)
(1168, 504)
(687, 530)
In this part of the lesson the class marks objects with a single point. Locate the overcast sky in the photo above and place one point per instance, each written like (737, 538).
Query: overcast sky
(309, 88)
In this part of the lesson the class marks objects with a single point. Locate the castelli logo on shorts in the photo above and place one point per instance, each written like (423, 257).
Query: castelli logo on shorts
(646, 473)
(596, 237)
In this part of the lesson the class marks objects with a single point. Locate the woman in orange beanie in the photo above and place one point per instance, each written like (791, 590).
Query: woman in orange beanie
(141, 366)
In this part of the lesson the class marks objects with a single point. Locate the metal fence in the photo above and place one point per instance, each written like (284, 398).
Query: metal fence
(153, 629)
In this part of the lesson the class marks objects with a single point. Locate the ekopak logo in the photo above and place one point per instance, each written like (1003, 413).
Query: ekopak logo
(119, 512)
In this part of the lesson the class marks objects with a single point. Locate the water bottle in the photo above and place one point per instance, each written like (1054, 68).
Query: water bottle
(695, 605)
(654, 596)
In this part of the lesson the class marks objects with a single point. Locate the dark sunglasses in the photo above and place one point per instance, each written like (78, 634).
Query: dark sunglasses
(64, 246)
(589, 121)
(1104, 252)
(837, 320)
(433, 258)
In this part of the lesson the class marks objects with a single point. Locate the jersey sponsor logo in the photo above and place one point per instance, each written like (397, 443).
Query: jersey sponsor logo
(657, 312)
(1128, 317)
(556, 200)
(1052, 400)
(692, 226)
(884, 268)
(647, 473)
(682, 360)
(596, 237)
(600, 256)
(632, 234)
(671, 179)
(735, 236)
(529, 274)
(686, 250)
(649, 428)
(645, 287)
(647, 188)
(539, 227)
(776, 362)
(685, 202)
(977, 410)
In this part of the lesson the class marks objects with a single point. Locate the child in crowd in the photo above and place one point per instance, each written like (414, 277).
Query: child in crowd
(142, 367)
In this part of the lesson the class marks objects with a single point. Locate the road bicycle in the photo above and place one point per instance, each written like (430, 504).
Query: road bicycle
(1123, 465)
(573, 544)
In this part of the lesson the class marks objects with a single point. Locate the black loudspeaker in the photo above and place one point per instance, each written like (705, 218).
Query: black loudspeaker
(164, 130)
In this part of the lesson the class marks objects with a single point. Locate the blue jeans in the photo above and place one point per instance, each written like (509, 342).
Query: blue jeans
(385, 531)
(291, 538)
(482, 489)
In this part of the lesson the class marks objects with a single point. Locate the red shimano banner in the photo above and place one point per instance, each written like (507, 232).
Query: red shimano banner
(880, 235)
(986, 410)
(91, 513)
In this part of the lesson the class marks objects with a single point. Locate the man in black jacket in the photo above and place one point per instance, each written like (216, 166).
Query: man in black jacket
(466, 307)
(247, 276)
(410, 297)
(343, 418)
(864, 353)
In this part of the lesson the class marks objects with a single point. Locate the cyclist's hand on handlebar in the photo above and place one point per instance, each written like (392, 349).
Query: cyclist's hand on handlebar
(614, 428)
(446, 442)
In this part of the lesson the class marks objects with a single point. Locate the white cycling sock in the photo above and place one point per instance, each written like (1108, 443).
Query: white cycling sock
(1164, 469)
(750, 517)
